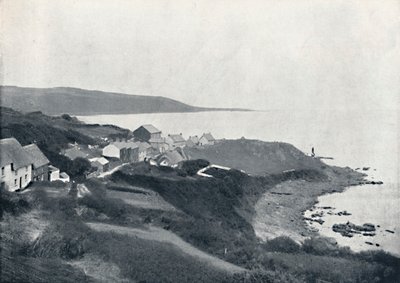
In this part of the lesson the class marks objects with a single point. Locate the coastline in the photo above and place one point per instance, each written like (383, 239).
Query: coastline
(287, 209)
(280, 211)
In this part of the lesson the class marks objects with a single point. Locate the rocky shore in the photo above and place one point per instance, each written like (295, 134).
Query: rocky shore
(349, 229)
(280, 212)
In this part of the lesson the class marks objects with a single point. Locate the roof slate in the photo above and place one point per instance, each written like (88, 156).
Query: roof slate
(151, 129)
(209, 137)
(101, 160)
(176, 138)
(173, 157)
(194, 139)
(144, 146)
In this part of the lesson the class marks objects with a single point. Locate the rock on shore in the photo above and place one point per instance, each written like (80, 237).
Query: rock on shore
(349, 229)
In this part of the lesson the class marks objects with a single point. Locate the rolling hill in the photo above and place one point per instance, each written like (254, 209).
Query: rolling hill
(75, 101)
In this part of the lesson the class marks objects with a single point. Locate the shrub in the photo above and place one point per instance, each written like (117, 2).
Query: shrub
(282, 244)
(12, 203)
(66, 117)
(79, 167)
(190, 167)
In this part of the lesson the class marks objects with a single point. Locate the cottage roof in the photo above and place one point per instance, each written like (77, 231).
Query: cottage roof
(73, 153)
(151, 129)
(132, 144)
(12, 152)
(194, 139)
(64, 175)
(53, 168)
(176, 138)
(37, 156)
(174, 157)
(100, 160)
(156, 140)
(208, 137)
(144, 146)
(121, 145)
(190, 143)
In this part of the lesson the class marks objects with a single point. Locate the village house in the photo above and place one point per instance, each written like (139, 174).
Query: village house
(207, 139)
(175, 141)
(192, 141)
(54, 173)
(152, 135)
(147, 132)
(40, 170)
(16, 165)
(100, 163)
(145, 151)
(124, 151)
(159, 144)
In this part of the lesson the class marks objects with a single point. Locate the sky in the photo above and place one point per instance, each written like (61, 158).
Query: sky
(287, 54)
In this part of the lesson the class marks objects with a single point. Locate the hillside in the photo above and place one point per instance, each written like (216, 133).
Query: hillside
(74, 101)
(255, 157)
(53, 134)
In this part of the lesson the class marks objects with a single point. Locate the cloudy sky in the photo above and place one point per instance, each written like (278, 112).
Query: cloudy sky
(256, 54)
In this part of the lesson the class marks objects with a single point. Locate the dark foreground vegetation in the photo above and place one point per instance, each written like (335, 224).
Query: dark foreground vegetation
(216, 219)
(212, 216)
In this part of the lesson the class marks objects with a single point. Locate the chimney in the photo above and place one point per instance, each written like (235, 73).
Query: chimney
(180, 133)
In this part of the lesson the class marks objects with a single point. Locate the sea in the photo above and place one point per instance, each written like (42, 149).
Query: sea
(358, 138)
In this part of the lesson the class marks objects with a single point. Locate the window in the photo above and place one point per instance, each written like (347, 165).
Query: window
(16, 172)
(15, 182)
(26, 177)
(2, 171)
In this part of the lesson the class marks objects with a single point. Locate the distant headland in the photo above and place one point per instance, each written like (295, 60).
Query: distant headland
(75, 101)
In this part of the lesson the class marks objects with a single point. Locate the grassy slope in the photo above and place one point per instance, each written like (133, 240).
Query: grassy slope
(255, 157)
(56, 101)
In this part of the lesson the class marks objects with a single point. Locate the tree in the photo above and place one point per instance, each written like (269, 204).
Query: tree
(79, 167)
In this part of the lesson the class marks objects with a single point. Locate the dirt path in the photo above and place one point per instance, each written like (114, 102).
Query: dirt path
(107, 173)
(161, 235)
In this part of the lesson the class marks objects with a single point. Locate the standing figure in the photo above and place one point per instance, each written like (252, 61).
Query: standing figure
(312, 152)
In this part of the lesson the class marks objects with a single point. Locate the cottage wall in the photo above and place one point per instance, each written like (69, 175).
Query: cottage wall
(203, 141)
(41, 173)
(13, 180)
(54, 175)
(142, 134)
(174, 144)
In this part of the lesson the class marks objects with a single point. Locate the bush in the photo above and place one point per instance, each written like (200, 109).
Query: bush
(79, 167)
(282, 244)
(190, 167)
(12, 203)
(66, 117)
